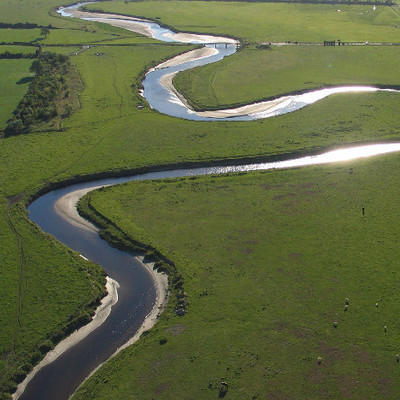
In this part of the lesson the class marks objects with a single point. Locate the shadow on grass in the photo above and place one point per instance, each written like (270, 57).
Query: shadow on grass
(24, 80)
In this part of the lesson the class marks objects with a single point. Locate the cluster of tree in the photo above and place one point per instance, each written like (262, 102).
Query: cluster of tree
(23, 25)
(264, 46)
(18, 44)
(16, 56)
(38, 104)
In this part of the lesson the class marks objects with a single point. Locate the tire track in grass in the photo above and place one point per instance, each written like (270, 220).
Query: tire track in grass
(83, 155)
(213, 92)
(22, 264)
(115, 86)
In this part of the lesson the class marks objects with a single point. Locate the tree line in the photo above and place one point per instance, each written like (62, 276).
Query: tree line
(23, 25)
(16, 56)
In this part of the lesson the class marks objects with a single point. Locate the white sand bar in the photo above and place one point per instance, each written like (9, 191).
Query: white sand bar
(162, 295)
(66, 207)
(192, 55)
(101, 314)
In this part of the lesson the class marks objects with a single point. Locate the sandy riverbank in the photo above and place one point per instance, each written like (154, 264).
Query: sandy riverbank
(129, 23)
(192, 55)
(66, 207)
(183, 37)
(250, 109)
(101, 314)
(162, 295)
(143, 27)
(262, 107)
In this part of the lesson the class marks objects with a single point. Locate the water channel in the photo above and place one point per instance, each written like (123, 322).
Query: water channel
(136, 294)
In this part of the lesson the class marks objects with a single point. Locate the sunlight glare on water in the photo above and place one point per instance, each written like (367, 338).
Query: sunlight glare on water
(339, 155)
(347, 154)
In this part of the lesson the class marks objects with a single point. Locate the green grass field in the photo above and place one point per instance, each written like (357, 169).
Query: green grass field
(270, 22)
(12, 85)
(19, 35)
(253, 74)
(268, 260)
(109, 133)
(18, 49)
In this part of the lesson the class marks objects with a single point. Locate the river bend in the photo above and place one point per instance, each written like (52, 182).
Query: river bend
(137, 293)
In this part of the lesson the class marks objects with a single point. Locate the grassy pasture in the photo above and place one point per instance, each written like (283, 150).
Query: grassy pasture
(12, 85)
(18, 49)
(88, 34)
(109, 133)
(68, 36)
(42, 13)
(252, 74)
(19, 35)
(268, 260)
(38, 12)
(270, 22)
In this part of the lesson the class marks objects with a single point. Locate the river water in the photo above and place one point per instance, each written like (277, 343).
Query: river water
(136, 294)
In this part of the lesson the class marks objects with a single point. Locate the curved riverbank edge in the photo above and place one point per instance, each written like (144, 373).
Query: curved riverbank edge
(218, 111)
(129, 23)
(191, 55)
(66, 207)
(271, 106)
(184, 36)
(101, 314)
(258, 109)
(160, 281)
(134, 24)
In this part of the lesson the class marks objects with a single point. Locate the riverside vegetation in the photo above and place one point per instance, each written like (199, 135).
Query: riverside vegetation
(49, 287)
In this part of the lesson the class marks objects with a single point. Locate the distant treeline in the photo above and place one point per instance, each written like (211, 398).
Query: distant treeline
(16, 56)
(38, 104)
(24, 25)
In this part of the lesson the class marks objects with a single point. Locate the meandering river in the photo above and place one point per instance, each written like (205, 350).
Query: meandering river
(137, 293)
